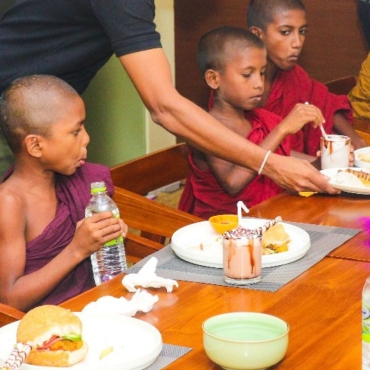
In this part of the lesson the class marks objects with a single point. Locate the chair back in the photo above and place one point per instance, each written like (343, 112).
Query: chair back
(155, 223)
(9, 314)
(342, 86)
(152, 171)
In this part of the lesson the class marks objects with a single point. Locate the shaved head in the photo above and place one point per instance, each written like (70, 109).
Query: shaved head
(218, 45)
(261, 13)
(30, 105)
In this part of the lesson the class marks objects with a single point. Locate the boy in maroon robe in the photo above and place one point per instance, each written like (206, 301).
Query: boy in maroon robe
(233, 63)
(45, 241)
(282, 25)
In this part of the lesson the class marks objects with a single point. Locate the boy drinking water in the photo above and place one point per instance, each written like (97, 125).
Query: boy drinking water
(45, 241)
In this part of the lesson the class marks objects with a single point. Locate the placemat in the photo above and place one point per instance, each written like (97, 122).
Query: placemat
(324, 239)
(169, 354)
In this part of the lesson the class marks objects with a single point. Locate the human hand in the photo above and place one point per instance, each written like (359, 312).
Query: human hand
(299, 116)
(93, 232)
(297, 175)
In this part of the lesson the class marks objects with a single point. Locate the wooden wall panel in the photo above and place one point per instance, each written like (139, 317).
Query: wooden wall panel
(334, 46)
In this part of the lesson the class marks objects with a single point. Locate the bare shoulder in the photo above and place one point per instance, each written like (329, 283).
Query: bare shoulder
(11, 205)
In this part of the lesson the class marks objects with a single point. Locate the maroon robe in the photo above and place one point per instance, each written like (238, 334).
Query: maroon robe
(295, 86)
(203, 196)
(73, 193)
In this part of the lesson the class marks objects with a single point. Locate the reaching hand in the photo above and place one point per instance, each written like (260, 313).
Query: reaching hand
(299, 116)
(296, 175)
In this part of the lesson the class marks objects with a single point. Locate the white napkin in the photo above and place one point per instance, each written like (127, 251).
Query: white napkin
(146, 277)
(141, 301)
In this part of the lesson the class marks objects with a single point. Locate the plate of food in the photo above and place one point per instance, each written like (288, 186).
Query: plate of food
(198, 243)
(114, 342)
(362, 158)
(349, 179)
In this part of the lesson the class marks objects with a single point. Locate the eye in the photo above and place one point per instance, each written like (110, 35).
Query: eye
(246, 75)
(303, 31)
(285, 32)
(76, 132)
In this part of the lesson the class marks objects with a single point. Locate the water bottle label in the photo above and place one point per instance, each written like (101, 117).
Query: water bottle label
(113, 242)
(118, 240)
(366, 322)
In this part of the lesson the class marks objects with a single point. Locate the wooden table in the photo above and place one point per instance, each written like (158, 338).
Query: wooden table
(322, 306)
(344, 210)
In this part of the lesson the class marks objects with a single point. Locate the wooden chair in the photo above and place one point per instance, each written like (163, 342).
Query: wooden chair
(9, 314)
(342, 86)
(152, 171)
(155, 222)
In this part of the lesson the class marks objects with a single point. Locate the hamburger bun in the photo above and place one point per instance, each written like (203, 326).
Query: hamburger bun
(275, 240)
(54, 334)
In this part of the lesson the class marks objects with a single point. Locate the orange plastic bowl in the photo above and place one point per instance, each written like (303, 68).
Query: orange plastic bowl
(223, 223)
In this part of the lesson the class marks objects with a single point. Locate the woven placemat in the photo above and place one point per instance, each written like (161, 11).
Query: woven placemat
(169, 354)
(324, 239)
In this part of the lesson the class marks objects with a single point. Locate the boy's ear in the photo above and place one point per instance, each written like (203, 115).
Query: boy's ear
(33, 145)
(257, 31)
(212, 78)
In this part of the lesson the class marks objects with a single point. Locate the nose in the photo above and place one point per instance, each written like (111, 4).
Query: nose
(86, 138)
(298, 40)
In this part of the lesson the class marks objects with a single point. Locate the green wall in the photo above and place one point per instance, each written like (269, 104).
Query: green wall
(115, 117)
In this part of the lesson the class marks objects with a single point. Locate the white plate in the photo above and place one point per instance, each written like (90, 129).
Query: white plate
(331, 172)
(358, 162)
(186, 242)
(136, 344)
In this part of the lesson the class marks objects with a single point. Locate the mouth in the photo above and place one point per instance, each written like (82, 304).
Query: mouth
(82, 161)
(293, 58)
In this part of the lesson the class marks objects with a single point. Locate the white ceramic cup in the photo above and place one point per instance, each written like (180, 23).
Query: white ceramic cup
(242, 260)
(335, 151)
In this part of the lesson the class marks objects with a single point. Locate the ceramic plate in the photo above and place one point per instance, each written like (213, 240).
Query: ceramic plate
(198, 243)
(136, 344)
(359, 162)
(331, 172)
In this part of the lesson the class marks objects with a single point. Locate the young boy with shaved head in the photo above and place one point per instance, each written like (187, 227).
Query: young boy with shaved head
(233, 63)
(282, 25)
(45, 241)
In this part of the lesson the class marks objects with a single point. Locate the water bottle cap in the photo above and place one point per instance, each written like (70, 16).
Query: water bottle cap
(98, 187)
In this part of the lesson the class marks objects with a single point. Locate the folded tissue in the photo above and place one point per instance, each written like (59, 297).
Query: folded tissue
(147, 278)
(141, 301)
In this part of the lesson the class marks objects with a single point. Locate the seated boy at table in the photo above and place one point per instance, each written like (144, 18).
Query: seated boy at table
(45, 241)
(282, 26)
(233, 62)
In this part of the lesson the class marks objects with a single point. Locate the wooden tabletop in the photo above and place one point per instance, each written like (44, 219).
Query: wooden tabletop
(343, 210)
(322, 307)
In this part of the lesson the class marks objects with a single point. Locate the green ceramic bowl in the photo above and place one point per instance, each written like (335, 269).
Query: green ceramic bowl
(245, 340)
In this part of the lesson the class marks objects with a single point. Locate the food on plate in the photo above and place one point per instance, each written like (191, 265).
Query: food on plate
(353, 177)
(105, 352)
(275, 240)
(364, 157)
(54, 334)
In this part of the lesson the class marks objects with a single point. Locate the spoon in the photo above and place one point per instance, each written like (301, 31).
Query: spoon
(321, 127)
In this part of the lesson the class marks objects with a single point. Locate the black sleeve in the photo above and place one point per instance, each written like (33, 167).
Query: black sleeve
(129, 24)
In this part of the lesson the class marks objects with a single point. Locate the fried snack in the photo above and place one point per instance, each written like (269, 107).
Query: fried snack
(275, 240)
(363, 176)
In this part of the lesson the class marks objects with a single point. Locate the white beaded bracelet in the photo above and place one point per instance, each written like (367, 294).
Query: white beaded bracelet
(264, 162)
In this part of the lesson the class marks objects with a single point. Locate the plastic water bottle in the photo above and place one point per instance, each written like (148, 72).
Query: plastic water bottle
(366, 325)
(110, 260)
